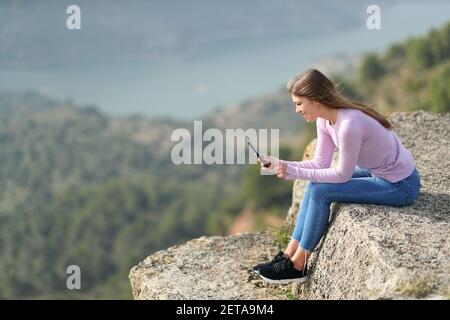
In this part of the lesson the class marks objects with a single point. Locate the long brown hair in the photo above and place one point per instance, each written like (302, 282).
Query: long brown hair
(315, 86)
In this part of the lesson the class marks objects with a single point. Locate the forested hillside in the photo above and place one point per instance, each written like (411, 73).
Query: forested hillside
(411, 75)
(82, 188)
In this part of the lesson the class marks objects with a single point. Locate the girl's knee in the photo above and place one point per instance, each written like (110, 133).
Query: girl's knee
(319, 190)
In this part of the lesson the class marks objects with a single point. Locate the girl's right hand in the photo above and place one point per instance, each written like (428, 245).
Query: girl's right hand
(268, 163)
(274, 166)
(271, 164)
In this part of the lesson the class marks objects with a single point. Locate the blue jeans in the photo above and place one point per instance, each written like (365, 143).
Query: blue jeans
(312, 218)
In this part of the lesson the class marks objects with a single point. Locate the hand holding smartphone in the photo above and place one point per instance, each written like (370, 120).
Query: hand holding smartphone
(265, 162)
(269, 164)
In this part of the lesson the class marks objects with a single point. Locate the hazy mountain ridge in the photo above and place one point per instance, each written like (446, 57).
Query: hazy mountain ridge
(271, 111)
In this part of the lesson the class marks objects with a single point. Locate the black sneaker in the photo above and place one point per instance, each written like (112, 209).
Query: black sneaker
(283, 272)
(278, 258)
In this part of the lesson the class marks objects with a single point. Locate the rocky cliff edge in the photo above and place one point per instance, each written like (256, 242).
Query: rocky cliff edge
(369, 251)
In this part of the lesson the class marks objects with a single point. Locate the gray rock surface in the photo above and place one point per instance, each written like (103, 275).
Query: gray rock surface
(207, 268)
(369, 251)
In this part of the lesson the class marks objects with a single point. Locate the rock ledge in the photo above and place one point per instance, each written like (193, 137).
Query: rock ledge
(369, 252)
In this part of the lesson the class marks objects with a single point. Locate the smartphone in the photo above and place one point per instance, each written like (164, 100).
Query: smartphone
(266, 164)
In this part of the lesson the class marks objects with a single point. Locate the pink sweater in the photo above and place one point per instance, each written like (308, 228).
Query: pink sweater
(362, 141)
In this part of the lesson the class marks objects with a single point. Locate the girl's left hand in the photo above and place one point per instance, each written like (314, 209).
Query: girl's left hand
(282, 170)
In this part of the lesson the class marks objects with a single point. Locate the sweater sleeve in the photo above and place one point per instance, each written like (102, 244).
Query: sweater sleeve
(323, 154)
(349, 140)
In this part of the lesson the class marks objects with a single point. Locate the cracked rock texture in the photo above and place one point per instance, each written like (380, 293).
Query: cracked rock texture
(369, 251)
(206, 268)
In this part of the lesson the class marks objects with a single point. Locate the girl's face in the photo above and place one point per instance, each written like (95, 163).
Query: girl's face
(309, 109)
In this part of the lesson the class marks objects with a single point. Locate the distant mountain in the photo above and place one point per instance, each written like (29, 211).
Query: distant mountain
(271, 111)
(13, 102)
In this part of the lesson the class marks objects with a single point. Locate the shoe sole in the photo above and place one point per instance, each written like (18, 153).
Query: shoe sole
(284, 281)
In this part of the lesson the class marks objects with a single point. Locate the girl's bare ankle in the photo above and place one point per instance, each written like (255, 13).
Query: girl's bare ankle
(291, 249)
(289, 252)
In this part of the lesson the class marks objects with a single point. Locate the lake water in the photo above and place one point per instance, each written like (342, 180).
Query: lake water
(220, 76)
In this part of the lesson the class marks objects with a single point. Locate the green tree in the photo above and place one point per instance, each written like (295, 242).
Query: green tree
(438, 95)
(395, 51)
(371, 68)
(419, 53)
